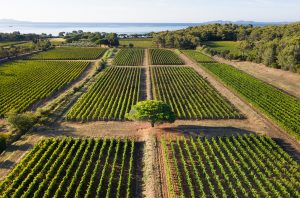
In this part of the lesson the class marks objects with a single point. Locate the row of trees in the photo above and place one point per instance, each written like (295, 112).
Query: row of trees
(276, 46)
(17, 36)
(16, 50)
(190, 37)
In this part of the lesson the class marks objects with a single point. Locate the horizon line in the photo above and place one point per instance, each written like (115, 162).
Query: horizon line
(233, 21)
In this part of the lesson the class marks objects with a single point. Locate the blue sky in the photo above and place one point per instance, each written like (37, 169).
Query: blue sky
(150, 10)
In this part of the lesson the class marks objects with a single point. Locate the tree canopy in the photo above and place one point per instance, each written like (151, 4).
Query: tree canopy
(274, 45)
(152, 111)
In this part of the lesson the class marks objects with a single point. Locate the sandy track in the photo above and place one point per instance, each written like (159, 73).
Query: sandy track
(148, 77)
(284, 80)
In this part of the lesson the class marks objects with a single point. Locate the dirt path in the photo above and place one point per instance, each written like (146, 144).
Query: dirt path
(284, 80)
(148, 77)
(151, 168)
(255, 121)
(72, 60)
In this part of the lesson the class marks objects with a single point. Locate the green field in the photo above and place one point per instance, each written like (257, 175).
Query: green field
(75, 168)
(189, 95)
(129, 57)
(112, 95)
(198, 56)
(221, 46)
(138, 42)
(281, 107)
(164, 57)
(242, 166)
(9, 43)
(70, 53)
(22, 83)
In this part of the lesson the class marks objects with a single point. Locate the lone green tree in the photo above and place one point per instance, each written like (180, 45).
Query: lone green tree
(152, 111)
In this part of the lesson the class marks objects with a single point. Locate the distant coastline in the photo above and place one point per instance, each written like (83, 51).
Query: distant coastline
(9, 25)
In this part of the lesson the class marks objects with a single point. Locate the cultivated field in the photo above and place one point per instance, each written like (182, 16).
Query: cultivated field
(22, 83)
(9, 43)
(281, 107)
(75, 168)
(70, 53)
(129, 57)
(189, 95)
(138, 42)
(164, 57)
(221, 46)
(111, 96)
(198, 56)
(211, 150)
(242, 166)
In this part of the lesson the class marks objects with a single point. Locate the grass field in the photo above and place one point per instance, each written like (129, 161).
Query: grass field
(221, 46)
(69, 53)
(198, 56)
(129, 57)
(281, 107)
(9, 43)
(75, 168)
(113, 94)
(189, 95)
(57, 41)
(242, 166)
(164, 57)
(22, 83)
(138, 42)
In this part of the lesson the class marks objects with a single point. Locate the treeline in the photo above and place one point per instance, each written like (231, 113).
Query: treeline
(17, 36)
(35, 42)
(99, 38)
(17, 50)
(191, 37)
(276, 46)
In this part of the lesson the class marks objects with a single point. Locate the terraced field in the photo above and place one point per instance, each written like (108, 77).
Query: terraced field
(129, 57)
(281, 107)
(110, 97)
(164, 57)
(198, 56)
(189, 95)
(70, 53)
(75, 168)
(22, 83)
(242, 166)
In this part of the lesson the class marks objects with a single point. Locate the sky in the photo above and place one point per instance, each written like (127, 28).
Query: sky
(150, 10)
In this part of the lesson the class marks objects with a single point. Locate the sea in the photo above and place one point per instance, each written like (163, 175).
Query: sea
(120, 28)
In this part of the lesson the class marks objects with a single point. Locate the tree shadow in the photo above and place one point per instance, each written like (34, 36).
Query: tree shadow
(22, 147)
(207, 131)
(138, 170)
(7, 164)
(57, 130)
(287, 147)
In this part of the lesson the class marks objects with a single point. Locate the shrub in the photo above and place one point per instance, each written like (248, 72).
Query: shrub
(21, 122)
